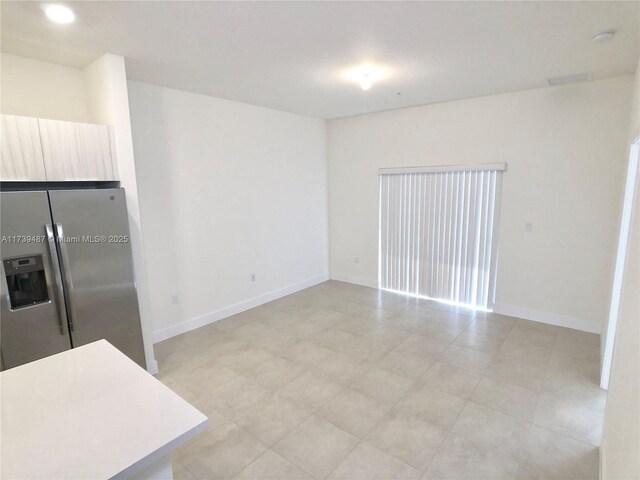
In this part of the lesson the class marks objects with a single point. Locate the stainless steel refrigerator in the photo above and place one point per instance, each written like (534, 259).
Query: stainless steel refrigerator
(67, 274)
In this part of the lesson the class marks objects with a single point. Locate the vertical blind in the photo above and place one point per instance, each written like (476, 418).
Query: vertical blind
(438, 232)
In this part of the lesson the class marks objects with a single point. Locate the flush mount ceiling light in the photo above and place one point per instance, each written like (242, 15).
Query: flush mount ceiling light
(604, 37)
(59, 13)
(365, 75)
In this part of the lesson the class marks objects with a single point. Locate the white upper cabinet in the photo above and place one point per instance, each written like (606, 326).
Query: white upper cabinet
(38, 150)
(76, 151)
(21, 151)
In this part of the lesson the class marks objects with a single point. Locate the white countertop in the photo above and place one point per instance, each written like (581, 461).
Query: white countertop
(88, 413)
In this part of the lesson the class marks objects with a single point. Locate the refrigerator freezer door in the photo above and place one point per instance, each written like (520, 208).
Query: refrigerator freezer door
(33, 323)
(93, 241)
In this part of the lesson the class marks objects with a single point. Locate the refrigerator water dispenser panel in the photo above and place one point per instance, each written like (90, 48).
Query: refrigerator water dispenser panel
(26, 281)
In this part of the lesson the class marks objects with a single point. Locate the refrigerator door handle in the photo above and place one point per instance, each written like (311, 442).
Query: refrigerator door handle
(7, 296)
(73, 326)
(53, 254)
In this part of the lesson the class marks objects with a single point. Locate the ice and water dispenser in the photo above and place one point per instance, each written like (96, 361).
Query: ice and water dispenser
(26, 281)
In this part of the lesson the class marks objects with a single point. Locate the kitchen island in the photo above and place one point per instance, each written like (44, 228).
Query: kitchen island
(90, 413)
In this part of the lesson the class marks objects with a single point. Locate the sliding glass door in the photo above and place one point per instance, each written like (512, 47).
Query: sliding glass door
(438, 232)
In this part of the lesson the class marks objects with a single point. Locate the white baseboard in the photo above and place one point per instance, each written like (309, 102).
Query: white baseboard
(365, 282)
(550, 318)
(511, 310)
(183, 327)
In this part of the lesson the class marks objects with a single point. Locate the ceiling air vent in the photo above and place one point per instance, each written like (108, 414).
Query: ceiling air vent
(567, 79)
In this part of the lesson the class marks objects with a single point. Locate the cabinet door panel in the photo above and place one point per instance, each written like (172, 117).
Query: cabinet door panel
(76, 151)
(21, 151)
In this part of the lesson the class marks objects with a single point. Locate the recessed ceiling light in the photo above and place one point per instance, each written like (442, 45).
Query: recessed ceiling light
(366, 75)
(59, 13)
(604, 37)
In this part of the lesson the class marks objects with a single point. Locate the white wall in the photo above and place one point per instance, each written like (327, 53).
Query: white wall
(105, 80)
(226, 190)
(40, 89)
(620, 451)
(565, 147)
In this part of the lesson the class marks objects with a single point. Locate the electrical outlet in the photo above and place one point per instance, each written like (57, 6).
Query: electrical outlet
(356, 260)
(528, 227)
(253, 277)
(174, 299)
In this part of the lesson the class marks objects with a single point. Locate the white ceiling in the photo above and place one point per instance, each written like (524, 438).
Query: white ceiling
(291, 55)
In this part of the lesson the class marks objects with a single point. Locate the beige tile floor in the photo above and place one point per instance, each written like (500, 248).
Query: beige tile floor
(345, 382)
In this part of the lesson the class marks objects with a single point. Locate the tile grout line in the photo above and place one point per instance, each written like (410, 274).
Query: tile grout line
(392, 406)
(369, 364)
(345, 457)
(446, 435)
(353, 382)
(544, 376)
